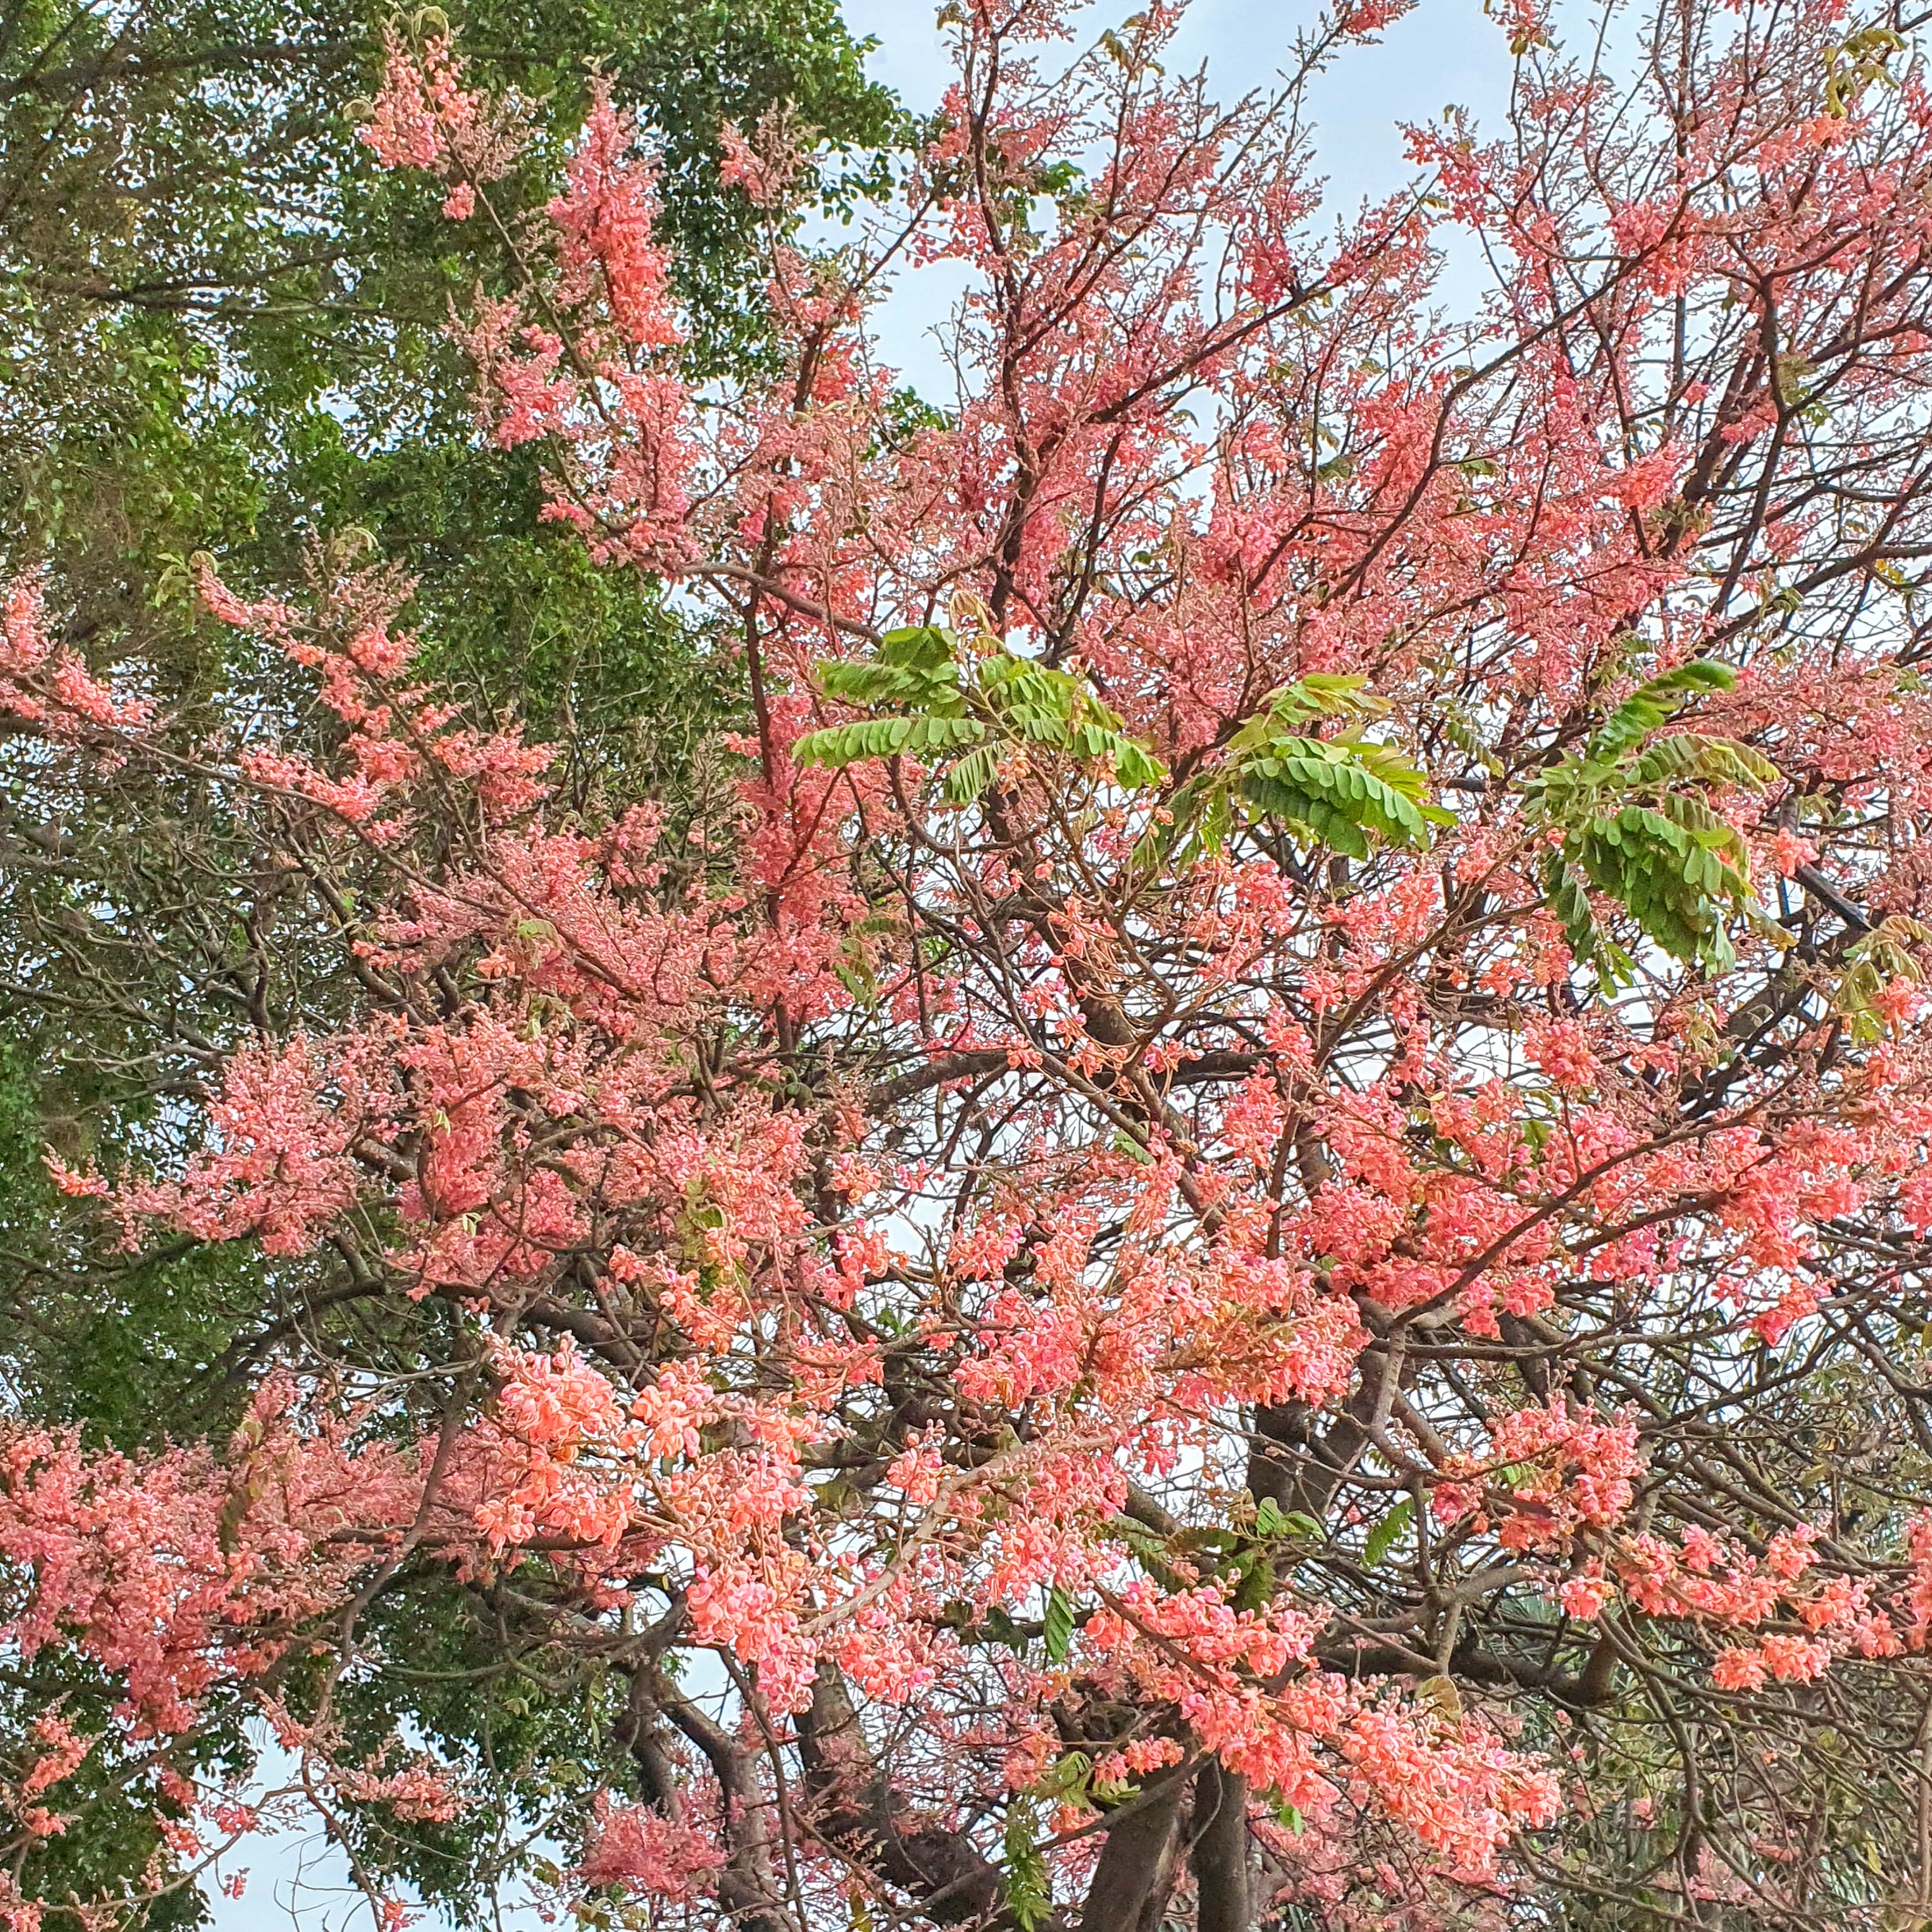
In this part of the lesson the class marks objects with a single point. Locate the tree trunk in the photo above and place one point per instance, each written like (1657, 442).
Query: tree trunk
(1221, 1849)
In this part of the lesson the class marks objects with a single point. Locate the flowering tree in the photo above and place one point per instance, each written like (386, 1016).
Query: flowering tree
(1245, 1241)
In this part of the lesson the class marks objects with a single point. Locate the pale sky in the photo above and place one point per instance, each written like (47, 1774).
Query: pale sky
(1445, 52)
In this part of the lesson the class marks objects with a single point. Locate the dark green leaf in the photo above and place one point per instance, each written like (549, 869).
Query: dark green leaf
(1059, 1633)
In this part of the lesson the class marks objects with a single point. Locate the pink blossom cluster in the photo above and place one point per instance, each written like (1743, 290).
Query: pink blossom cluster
(46, 685)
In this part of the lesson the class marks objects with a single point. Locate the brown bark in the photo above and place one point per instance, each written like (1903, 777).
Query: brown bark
(1220, 1853)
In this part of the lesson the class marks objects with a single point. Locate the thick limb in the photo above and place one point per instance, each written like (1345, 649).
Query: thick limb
(1220, 1854)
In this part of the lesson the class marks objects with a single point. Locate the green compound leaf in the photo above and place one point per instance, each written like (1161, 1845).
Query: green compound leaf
(1637, 829)
(1387, 1532)
(1029, 1897)
(1059, 1625)
(1342, 793)
(1654, 704)
(1009, 700)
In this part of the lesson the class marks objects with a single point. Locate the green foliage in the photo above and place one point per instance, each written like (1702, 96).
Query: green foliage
(1249, 1559)
(1652, 705)
(1634, 824)
(550, 1733)
(1059, 1632)
(110, 1799)
(1340, 792)
(1859, 61)
(124, 1348)
(510, 607)
(1070, 1780)
(1270, 1522)
(1028, 1892)
(1890, 952)
(1387, 1532)
(998, 705)
(222, 327)
(1288, 1816)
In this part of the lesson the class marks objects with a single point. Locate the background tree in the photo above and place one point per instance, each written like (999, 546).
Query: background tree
(1244, 1240)
(221, 327)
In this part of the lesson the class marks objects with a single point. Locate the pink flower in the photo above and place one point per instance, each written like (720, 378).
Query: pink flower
(1584, 1596)
(1562, 1049)
(647, 1852)
(1738, 1669)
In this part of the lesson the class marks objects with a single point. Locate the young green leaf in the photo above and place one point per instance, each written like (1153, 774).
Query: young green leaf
(1387, 1532)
